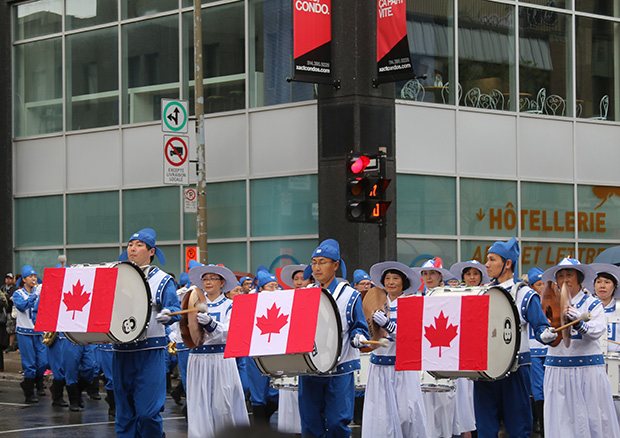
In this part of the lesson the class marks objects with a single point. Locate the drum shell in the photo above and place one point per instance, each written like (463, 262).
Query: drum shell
(132, 299)
(612, 364)
(327, 347)
(285, 383)
(361, 375)
(504, 333)
(429, 383)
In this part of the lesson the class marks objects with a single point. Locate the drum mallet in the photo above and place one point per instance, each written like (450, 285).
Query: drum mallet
(383, 342)
(613, 342)
(202, 308)
(584, 317)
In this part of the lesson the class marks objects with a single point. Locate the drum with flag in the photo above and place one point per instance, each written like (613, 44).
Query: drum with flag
(290, 333)
(109, 302)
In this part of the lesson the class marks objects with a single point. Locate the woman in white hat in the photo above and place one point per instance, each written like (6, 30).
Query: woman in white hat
(215, 397)
(393, 404)
(293, 276)
(578, 400)
(471, 273)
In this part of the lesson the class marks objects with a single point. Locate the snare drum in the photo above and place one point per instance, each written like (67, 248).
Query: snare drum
(612, 362)
(361, 375)
(327, 347)
(132, 307)
(429, 383)
(285, 383)
(504, 333)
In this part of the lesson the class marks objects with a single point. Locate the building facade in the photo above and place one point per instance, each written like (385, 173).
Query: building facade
(527, 144)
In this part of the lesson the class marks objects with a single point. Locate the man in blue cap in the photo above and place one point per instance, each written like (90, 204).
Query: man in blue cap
(139, 371)
(31, 348)
(508, 399)
(539, 354)
(326, 402)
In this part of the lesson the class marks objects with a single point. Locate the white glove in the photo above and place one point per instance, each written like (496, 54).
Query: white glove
(572, 313)
(173, 336)
(163, 317)
(204, 318)
(358, 340)
(548, 336)
(380, 318)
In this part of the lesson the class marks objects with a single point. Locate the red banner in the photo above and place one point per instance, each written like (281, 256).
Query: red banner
(393, 58)
(312, 40)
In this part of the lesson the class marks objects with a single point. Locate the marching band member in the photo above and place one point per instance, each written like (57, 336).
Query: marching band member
(326, 402)
(175, 336)
(471, 273)
(55, 352)
(393, 405)
(32, 350)
(105, 356)
(361, 281)
(214, 393)
(293, 276)
(539, 353)
(508, 398)
(138, 368)
(79, 364)
(578, 400)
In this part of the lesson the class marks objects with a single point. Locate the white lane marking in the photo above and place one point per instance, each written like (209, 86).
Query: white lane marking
(65, 426)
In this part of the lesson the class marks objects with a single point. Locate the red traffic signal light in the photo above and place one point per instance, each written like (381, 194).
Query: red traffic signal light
(360, 164)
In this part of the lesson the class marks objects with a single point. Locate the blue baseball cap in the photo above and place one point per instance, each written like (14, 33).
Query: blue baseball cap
(330, 249)
(243, 280)
(359, 275)
(184, 279)
(146, 235)
(507, 250)
(28, 270)
(264, 277)
(533, 275)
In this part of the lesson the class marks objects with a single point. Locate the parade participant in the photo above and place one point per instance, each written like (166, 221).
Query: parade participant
(538, 352)
(139, 367)
(214, 393)
(578, 400)
(293, 276)
(105, 354)
(79, 366)
(433, 274)
(361, 283)
(32, 350)
(508, 399)
(393, 403)
(246, 284)
(326, 402)
(470, 273)
(175, 336)
(55, 353)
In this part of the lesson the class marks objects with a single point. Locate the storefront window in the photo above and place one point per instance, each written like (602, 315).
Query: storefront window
(475, 250)
(547, 210)
(545, 255)
(602, 7)
(39, 260)
(39, 221)
(93, 255)
(598, 216)
(92, 218)
(84, 13)
(279, 253)
(488, 207)
(156, 208)
(550, 3)
(37, 18)
(414, 252)
(141, 8)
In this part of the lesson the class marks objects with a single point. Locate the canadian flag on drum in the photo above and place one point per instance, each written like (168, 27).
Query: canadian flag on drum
(272, 323)
(77, 300)
(442, 333)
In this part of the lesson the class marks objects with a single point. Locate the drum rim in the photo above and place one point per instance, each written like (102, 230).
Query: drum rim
(332, 301)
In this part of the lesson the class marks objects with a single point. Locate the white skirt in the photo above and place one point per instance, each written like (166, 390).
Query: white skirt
(214, 395)
(440, 410)
(578, 403)
(393, 405)
(464, 415)
(288, 411)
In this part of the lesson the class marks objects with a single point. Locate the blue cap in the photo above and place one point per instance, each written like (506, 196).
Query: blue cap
(146, 235)
(28, 270)
(184, 279)
(569, 263)
(264, 277)
(330, 249)
(359, 275)
(534, 275)
(58, 265)
(243, 280)
(194, 263)
(507, 250)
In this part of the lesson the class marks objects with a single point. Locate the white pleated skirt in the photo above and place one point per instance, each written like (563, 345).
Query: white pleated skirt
(288, 411)
(215, 397)
(393, 404)
(440, 411)
(464, 414)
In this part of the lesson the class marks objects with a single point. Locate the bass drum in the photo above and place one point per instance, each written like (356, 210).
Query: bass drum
(612, 362)
(132, 307)
(428, 383)
(503, 337)
(361, 375)
(327, 347)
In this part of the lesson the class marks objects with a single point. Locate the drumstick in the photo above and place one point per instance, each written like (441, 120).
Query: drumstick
(613, 342)
(202, 308)
(382, 342)
(584, 317)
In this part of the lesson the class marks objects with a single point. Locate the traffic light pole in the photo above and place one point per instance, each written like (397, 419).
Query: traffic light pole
(355, 118)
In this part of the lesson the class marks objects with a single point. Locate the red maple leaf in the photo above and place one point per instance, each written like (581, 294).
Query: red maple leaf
(77, 300)
(441, 335)
(272, 322)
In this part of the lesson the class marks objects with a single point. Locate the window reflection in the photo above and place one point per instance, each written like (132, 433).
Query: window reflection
(37, 18)
(83, 13)
(602, 7)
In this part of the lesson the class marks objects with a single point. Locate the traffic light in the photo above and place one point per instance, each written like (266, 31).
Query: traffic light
(366, 188)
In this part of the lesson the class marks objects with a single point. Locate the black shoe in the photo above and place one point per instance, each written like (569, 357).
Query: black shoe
(74, 397)
(111, 403)
(40, 386)
(57, 389)
(28, 387)
(93, 389)
(177, 393)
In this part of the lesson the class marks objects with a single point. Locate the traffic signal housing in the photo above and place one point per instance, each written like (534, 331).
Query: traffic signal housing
(366, 188)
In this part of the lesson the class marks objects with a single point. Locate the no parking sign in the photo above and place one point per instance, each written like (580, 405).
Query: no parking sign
(176, 163)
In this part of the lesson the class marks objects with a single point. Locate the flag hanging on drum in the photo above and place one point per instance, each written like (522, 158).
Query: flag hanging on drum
(272, 323)
(77, 300)
(442, 333)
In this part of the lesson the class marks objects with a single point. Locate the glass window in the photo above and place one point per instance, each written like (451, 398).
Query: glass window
(544, 255)
(426, 204)
(150, 67)
(598, 208)
(223, 55)
(173, 259)
(93, 255)
(609, 8)
(188, 3)
(92, 79)
(488, 207)
(544, 66)
(414, 252)
(37, 18)
(140, 8)
(152, 208)
(271, 55)
(269, 253)
(226, 212)
(39, 221)
(232, 255)
(84, 13)
(284, 206)
(587, 252)
(551, 3)
(597, 68)
(38, 87)
(486, 54)
(39, 260)
(547, 210)
(92, 218)
(475, 250)
(430, 32)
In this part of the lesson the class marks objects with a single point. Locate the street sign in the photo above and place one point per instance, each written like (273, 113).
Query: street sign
(190, 204)
(176, 162)
(174, 114)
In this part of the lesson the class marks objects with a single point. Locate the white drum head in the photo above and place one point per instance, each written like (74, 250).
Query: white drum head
(327, 340)
(132, 304)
